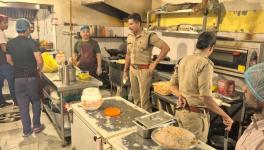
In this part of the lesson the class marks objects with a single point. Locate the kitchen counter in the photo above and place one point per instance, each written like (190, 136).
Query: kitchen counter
(93, 129)
(166, 102)
(78, 84)
(132, 141)
(51, 82)
(109, 125)
(162, 74)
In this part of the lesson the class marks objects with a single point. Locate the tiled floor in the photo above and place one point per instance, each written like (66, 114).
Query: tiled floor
(11, 134)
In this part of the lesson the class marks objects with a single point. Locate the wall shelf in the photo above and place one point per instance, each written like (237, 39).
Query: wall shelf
(185, 9)
(181, 34)
(174, 12)
(108, 37)
(105, 37)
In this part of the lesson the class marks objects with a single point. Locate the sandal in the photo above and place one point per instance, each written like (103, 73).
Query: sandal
(28, 134)
(39, 129)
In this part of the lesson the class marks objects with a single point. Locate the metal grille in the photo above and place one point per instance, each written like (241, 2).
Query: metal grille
(15, 13)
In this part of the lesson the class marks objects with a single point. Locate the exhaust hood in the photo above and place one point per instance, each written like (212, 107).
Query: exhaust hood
(120, 8)
(17, 10)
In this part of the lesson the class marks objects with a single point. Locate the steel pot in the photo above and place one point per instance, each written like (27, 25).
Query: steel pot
(72, 74)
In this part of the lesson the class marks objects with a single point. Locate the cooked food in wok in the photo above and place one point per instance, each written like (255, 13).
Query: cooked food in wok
(174, 138)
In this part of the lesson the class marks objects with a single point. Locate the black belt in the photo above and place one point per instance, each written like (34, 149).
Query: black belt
(23, 76)
(26, 73)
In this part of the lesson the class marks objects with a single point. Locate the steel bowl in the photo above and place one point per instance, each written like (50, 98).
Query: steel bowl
(195, 141)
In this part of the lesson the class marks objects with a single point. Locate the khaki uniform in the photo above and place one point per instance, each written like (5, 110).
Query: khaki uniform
(193, 76)
(139, 48)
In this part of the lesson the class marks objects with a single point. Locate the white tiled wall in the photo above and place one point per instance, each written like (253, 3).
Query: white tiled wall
(179, 47)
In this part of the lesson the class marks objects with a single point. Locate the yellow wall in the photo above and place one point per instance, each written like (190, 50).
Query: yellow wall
(175, 19)
(233, 21)
(247, 21)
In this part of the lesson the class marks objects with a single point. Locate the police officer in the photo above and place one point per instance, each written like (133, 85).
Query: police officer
(191, 83)
(138, 60)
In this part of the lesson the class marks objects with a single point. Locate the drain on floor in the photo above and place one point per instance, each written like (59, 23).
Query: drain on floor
(9, 117)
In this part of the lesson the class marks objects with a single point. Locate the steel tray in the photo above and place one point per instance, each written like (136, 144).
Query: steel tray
(154, 119)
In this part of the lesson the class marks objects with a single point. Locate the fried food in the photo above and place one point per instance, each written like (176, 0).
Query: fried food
(174, 137)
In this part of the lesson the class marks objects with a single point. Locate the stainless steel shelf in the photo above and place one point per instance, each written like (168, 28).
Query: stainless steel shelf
(51, 78)
(67, 132)
(108, 37)
(58, 118)
(46, 94)
(181, 34)
(175, 12)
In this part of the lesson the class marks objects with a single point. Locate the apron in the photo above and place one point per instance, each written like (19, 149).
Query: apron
(88, 59)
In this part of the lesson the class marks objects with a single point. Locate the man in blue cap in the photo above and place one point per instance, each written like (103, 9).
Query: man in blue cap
(253, 136)
(6, 71)
(87, 53)
(24, 55)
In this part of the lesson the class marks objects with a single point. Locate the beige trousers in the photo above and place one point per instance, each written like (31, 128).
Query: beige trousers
(140, 81)
(197, 123)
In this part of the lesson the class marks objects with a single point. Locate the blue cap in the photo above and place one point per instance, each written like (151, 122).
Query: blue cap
(22, 25)
(84, 27)
(254, 79)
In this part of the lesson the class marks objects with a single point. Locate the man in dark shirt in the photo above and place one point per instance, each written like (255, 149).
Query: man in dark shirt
(6, 71)
(87, 53)
(24, 55)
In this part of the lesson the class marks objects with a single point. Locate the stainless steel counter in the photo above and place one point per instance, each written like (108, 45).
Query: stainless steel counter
(51, 80)
(108, 126)
(79, 84)
(167, 103)
(132, 141)
(162, 74)
(92, 129)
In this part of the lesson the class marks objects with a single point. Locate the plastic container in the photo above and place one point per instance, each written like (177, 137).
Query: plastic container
(91, 99)
(72, 74)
